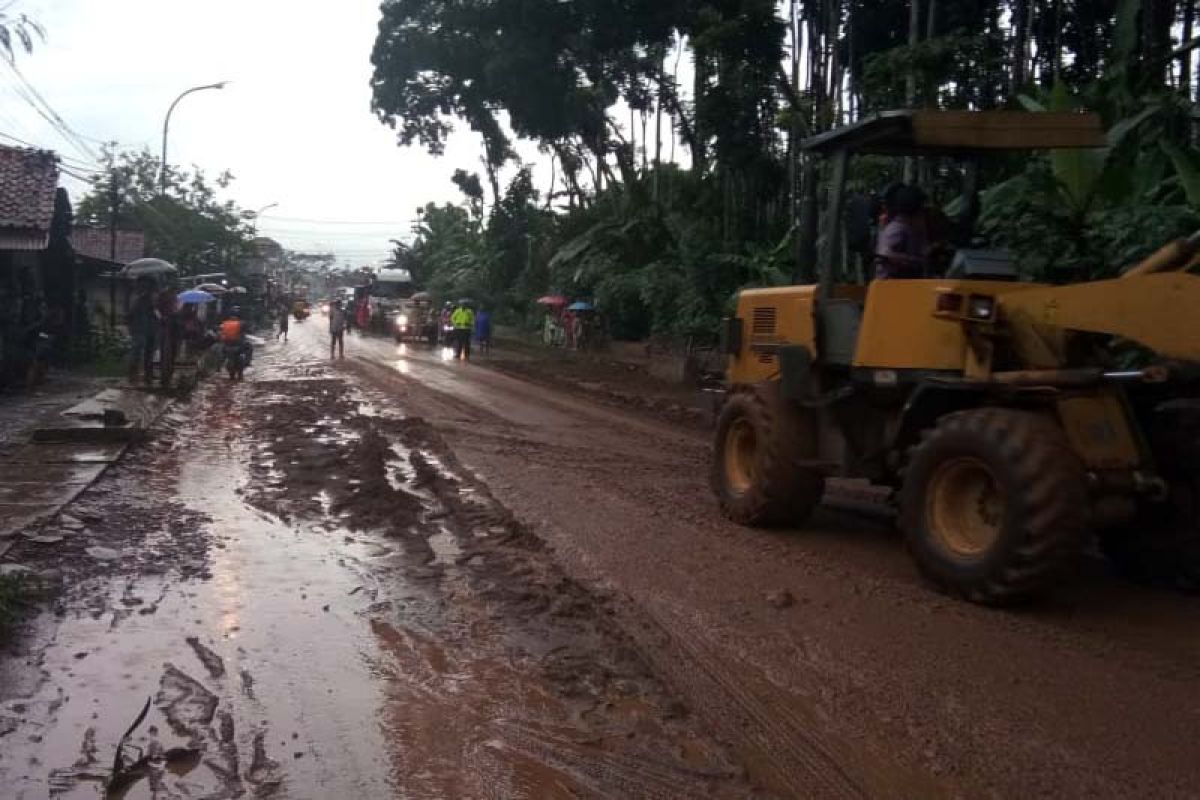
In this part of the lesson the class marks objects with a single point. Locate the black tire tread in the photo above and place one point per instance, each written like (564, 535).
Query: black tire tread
(1053, 501)
(787, 491)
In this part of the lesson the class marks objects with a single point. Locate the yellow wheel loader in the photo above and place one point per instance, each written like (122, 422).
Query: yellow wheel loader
(994, 408)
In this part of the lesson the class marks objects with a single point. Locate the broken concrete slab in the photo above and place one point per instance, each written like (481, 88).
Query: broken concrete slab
(69, 453)
(40, 494)
(113, 415)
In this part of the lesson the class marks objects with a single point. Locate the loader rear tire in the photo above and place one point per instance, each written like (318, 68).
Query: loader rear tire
(994, 504)
(759, 469)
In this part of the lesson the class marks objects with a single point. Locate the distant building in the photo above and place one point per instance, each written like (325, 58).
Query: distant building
(99, 266)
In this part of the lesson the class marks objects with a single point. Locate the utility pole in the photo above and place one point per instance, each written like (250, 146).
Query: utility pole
(114, 199)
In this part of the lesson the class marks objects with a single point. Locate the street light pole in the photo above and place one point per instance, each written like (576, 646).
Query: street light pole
(162, 181)
(254, 215)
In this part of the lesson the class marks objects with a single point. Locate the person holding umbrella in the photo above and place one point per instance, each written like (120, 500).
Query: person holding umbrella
(142, 321)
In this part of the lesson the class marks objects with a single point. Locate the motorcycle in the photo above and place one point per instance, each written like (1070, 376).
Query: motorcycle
(237, 358)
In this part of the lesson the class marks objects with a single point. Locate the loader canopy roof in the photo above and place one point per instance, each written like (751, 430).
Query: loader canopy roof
(961, 132)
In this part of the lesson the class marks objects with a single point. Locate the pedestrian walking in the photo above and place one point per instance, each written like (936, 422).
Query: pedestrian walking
(142, 321)
(462, 320)
(285, 321)
(337, 330)
(483, 331)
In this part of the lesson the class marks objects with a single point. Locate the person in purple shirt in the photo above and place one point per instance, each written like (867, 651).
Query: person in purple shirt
(902, 248)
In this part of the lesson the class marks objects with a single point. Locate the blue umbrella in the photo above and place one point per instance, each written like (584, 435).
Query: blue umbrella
(581, 306)
(195, 296)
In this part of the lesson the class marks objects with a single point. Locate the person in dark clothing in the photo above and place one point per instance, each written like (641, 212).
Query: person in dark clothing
(167, 307)
(337, 330)
(142, 320)
(902, 249)
(483, 331)
(285, 321)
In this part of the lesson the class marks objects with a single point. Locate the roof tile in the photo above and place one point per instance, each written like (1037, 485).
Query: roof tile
(28, 180)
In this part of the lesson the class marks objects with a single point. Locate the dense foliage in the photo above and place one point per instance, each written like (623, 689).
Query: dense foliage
(188, 225)
(660, 237)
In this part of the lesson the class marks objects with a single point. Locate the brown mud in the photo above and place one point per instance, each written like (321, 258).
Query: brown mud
(818, 653)
(619, 384)
(312, 597)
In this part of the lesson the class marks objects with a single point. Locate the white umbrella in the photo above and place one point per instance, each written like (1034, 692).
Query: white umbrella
(212, 288)
(148, 267)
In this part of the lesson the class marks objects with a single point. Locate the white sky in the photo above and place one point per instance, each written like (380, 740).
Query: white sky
(294, 126)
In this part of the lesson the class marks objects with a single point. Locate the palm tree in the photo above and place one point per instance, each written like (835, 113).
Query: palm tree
(19, 25)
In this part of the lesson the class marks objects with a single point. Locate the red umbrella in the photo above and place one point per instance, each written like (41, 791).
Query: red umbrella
(552, 300)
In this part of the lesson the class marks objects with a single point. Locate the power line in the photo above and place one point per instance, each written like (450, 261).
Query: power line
(29, 93)
(336, 221)
(75, 135)
(77, 175)
(78, 164)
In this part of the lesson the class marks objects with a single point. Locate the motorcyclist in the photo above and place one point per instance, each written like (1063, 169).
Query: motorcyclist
(233, 337)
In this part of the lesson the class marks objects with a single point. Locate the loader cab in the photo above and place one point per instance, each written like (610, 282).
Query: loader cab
(850, 307)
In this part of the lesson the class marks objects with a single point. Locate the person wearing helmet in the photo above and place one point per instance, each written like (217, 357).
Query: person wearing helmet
(232, 333)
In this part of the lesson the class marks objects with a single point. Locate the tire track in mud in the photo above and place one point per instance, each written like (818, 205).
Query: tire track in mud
(522, 672)
(788, 742)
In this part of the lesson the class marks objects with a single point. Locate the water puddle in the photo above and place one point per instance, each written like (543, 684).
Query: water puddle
(444, 544)
(367, 622)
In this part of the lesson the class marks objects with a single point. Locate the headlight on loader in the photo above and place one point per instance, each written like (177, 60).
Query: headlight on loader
(981, 307)
(402, 321)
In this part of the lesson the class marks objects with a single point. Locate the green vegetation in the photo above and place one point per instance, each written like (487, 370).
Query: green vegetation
(19, 29)
(188, 225)
(662, 236)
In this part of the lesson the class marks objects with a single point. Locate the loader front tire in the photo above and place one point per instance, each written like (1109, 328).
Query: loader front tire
(762, 471)
(994, 504)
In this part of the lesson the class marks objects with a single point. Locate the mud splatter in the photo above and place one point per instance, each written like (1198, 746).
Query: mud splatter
(211, 661)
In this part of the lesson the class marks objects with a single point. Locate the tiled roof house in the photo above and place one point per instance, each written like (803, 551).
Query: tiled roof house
(28, 182)
(97, 244)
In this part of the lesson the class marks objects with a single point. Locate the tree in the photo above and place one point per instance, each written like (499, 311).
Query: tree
(662, 246)
(19, 26)
(188, 225)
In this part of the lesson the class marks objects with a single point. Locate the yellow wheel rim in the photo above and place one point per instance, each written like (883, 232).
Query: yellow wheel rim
(964, 507)
(739, 456)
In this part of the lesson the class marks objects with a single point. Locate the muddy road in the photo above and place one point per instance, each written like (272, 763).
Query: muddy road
(399, 576)
(296, 590)
(819, 654)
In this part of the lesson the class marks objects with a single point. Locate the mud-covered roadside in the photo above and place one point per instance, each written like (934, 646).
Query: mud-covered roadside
(618, 384)
(521, 674)
(294, 590)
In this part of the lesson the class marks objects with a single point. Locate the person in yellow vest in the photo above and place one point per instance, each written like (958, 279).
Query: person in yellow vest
(463, 322)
